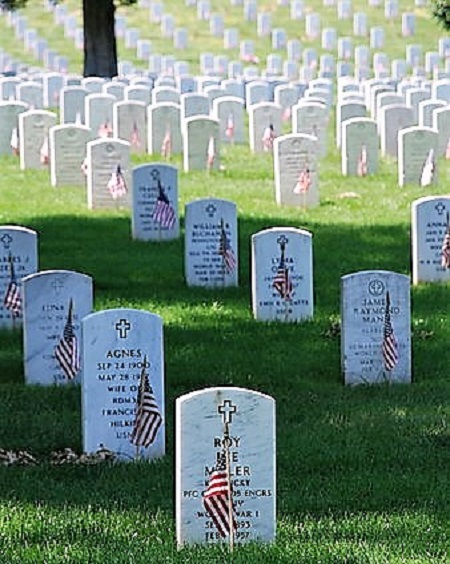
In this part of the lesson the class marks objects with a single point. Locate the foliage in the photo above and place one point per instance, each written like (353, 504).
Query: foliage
(441, 13)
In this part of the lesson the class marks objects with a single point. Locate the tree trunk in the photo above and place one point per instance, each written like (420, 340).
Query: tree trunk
(100, 50)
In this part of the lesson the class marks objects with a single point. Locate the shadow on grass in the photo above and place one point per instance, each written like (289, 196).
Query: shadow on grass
(338, 449)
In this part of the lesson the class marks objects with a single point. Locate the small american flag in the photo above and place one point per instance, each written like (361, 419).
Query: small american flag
(362, 162)
(389, 345)
(287, 113)
(116, 185)
(14, 142)
(304, 181)
(166, 147)
(447, 150)
(66, 351)
(211, 153)
(105, 130)
(84, 166)
(148, 418)
(268, 137)
(13, 300)
(225, 250)
(229, 131)
(164, 214)
(282, 282)
(43, 154)
(429, 169)
(445, 249)
(135, 138)
(216, 498)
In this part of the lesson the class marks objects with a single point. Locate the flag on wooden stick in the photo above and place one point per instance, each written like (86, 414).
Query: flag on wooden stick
(116, 184)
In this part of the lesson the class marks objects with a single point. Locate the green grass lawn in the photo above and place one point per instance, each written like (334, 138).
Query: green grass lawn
(363, 473)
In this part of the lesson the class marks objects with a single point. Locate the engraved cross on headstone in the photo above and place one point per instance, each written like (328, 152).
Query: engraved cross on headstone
(57, 285)
(122, 327)
(6, 240)
(227, 409)
(282, 240)
(440, 208)
(210, 209)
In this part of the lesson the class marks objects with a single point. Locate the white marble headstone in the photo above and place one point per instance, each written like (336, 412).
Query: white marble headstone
(104, 156)
(19, 249)
(282, 274)
(117, 345)
(163, 124)
(201, 141)
(211, 249)
(9, 114)
(67, 145)
(430, 222)
(359, 151)
(34, 126)
(242, 422)
(295, 170)
(417, 154)
(130, 124)
(155, 202)
(364, 339)
(47, 296)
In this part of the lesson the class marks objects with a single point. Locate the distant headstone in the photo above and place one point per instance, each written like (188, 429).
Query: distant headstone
(431, 239)
(9, 114)
(224, 423)
(123, 383)
(230, 113)
(282, 275)
(311, 118)
(417, 155)
(164, 129)
(19, 258)
(99, 113)
(376, 329)
(211, 250)
(67, 144)
(359, 147)
(155, 202)
(391, 120)
(441, 123)
(295, 170)
(55, 302)
(129, 124)
(108, 173)
(34, 126)
(265, 124)
(201, 144)
(72, 104)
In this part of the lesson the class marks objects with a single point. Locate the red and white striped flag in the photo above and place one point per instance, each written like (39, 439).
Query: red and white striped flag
(217, 499)
(163, 214)
(14, 142)
(13, 299)
(211, 154)
(268, 137)
(229, 131)
(105, 130)
(44, 153)
(445, 249)
(282, 282)
(116, 185)
(362, 161)
(166, 147)
(447, 150)
(148, 419)
(225, 251)
(67, 351)
(389, 345)
(135, 140)
(304, 181)
(429, 169)
(287, 113)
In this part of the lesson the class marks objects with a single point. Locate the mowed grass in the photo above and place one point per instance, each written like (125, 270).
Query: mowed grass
(362, 473)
